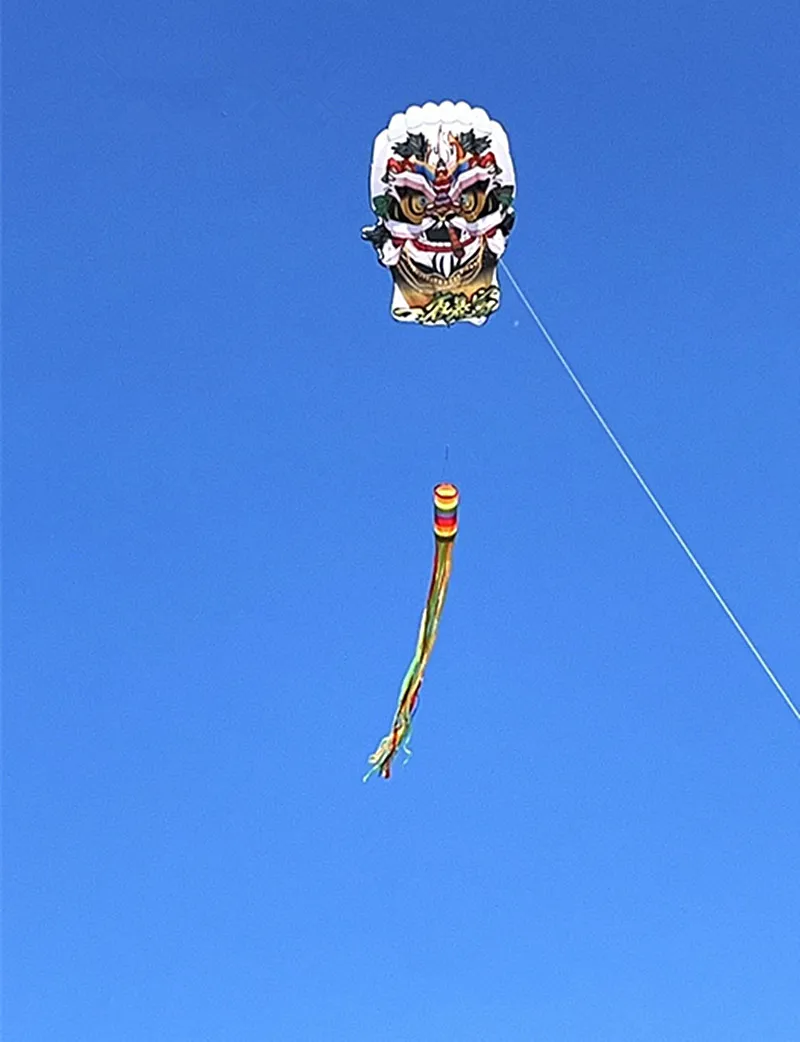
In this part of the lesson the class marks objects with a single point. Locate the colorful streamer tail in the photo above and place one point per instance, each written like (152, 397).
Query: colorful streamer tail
(445, 529)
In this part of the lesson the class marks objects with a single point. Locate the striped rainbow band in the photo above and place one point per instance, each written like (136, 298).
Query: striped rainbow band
(445, 511)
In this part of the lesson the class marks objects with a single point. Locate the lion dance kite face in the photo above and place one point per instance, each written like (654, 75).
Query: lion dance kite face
(442, 187)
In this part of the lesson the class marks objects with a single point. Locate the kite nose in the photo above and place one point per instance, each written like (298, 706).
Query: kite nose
(445, 232)
(439, 233)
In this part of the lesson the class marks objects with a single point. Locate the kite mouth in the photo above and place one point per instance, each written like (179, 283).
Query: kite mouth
(440, 268)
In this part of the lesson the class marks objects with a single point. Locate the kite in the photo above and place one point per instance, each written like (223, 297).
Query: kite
(445, 528)
(442, 185)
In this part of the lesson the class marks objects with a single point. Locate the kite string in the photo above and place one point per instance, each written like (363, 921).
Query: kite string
(651, 495)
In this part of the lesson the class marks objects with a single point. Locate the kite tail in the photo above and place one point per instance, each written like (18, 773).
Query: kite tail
(445, 528)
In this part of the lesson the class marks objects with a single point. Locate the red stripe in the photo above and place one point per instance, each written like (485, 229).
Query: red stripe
(427, 247)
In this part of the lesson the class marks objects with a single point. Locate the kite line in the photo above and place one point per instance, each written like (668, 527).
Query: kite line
(650, 494)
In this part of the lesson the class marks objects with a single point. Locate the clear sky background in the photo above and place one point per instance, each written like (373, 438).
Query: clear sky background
(220, 451)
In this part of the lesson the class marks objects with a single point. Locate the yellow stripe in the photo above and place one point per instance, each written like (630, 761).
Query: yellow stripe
(445, 497)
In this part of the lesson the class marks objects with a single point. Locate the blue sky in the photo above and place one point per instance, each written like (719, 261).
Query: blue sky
(219, 457)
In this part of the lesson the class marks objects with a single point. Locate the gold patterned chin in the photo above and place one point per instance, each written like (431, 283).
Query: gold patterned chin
(444, 309)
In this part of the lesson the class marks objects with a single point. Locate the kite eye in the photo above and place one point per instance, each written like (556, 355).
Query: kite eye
(413, 205)
(471, 202)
